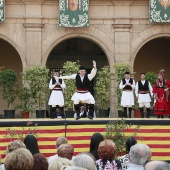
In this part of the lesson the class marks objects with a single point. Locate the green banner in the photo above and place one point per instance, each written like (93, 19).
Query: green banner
(74, 13)
(1, 10)
(159, 10)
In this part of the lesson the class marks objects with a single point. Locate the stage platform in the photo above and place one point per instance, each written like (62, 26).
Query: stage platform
(153, 132)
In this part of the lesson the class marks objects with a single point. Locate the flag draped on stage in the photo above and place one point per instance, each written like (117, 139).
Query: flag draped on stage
(159, 11)
(74, 13)
(1, 10)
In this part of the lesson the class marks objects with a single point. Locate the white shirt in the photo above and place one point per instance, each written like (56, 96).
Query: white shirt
(90, 76)
(121, 86)
(143, 82)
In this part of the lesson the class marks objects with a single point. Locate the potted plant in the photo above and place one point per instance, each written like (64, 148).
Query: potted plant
(116, 131)
(37, 78)
(151, 77)
(8, 82)
(25, 102)
(69, 68)
(120, 70)
(102, 91)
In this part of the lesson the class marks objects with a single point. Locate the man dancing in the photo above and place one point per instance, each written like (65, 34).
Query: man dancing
(82, 94)
(142, 90)
(127, 100)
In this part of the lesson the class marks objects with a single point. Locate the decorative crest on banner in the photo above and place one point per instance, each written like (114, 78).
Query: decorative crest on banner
(1, 10)
(160, 10)
(74, 13)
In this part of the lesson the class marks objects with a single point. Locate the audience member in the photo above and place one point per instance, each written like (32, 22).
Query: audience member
(107, 159)
(157, 165)
(20, 159)
(40, 162)
(125, 158)
(31, 144)
(139, 154)
(57, 163)
(65, 151)
(72, 168)
(94, 144)
(84, 161)
(16, 144)
(59, 141)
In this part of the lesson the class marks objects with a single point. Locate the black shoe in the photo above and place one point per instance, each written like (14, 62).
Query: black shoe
(148, 116)
(142, 115)
(78, 117)
(158, 116)
(162, 116)
(129, 116)
(90, 117)
(169, 116)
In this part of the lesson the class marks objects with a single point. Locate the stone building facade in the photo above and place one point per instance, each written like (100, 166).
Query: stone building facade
(119, 29)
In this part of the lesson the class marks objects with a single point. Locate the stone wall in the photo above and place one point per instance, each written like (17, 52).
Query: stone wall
(119, 27)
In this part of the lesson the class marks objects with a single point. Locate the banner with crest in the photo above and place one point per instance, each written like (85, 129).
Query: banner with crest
(1, 10)
(159, 11)
(74, 13)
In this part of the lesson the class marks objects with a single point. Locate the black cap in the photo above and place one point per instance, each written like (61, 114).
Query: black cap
(127, 72)
(82, 68)
(57, 70)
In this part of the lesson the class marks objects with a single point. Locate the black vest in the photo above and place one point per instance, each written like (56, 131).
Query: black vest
(144, 87)
(54, 80)
(84, 84)
(127, 87)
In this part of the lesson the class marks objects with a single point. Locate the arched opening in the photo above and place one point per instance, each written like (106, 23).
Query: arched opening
(80, 49)
(9, 59)
(153, 56)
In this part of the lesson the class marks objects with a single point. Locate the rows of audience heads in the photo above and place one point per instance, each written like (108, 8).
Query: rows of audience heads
(101, 156)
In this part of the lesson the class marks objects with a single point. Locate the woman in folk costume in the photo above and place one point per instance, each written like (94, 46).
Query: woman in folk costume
(56, 98)
(160, 89)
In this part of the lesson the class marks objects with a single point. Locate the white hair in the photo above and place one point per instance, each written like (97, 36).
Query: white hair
(58, 162)
(72, 168)
(84, 161)
(139, 154)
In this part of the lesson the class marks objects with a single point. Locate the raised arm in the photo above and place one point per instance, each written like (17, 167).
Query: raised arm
(68, 77)
(93, 71)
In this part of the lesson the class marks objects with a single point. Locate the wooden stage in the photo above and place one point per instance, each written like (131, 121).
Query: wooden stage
(153, 132)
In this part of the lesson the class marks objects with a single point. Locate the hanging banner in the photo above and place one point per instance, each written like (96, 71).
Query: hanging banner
(159, 10)
(74, 13)
(1, 10)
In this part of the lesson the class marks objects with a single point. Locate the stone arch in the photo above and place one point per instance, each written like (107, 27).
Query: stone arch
(93, 34)
(14, 45)
(146, 36)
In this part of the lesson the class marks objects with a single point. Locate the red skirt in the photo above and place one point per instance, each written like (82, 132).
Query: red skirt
(161, 105)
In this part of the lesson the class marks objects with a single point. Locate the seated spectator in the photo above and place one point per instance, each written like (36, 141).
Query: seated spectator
(65, 151)
(16, 144)
(72, 168)
(106, 151)
(57, 163)
(31, 144)
(139, 154)
(84, 161)
(94, 144)
(59, 141)
(125, 158)
(157, 165)
(20, 159)
(40, 162)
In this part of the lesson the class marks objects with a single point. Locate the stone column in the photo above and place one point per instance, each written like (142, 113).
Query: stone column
(33, 25)
(113, 110)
